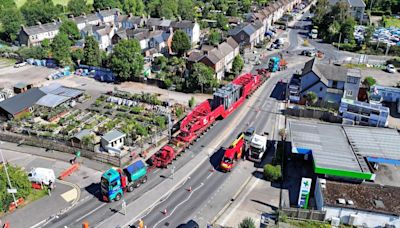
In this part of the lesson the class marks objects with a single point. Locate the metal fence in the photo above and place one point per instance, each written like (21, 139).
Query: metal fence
(315, 114)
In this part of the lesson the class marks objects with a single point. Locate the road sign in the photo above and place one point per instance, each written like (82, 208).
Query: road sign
(11, 190)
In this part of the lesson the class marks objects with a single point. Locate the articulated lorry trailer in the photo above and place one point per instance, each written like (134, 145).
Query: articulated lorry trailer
(115, 181)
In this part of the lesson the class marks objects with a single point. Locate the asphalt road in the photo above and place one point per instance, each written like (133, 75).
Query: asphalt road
(183, 204)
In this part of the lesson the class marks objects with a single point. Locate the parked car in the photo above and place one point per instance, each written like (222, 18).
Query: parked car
(390, 68)
(20, 64)
(249, 133)
(309, 53)
(190, 224)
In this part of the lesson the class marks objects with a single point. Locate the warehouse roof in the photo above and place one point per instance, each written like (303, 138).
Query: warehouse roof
(22, 101)
(344, 146)
(52, 100)
(327, 143)
(60, 90)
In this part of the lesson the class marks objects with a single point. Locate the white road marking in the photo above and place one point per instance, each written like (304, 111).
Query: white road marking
(201, 185)
(239, 203)
(91, 212)
(209, 175)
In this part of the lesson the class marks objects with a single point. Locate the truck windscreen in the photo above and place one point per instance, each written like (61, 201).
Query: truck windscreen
(255, 150)
(227, 160)
(104, 184)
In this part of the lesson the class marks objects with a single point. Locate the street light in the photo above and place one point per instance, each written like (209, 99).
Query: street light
(11, 190)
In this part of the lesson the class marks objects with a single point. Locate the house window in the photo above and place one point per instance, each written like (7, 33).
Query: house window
(320, 88)
(349, 93)
(334, 84)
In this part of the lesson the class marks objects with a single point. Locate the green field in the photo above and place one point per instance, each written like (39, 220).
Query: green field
(61, 2)
(391, 22)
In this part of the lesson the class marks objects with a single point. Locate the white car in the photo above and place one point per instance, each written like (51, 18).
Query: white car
(390, 68)
(20, 64)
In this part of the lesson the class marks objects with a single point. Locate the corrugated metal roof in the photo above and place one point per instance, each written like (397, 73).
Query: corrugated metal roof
(52, 100)
(112, 135)
(328, 144)
(82, 134)
(60, 90)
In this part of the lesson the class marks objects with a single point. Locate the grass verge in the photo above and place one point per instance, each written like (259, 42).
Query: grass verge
(61, 2)
(9, 62)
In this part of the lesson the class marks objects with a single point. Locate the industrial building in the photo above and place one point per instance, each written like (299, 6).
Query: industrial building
(343, 151)
(362, 113)
(360, 205)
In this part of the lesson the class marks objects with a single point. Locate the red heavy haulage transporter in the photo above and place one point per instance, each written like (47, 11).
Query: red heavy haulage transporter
(225, 101)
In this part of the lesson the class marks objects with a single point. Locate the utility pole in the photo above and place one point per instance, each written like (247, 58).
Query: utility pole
(169, 125)
(340, 37)
(8, 177)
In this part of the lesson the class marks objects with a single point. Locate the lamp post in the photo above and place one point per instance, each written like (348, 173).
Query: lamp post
(8, 177)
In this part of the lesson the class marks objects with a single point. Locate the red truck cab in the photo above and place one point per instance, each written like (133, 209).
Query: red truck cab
(232, 154)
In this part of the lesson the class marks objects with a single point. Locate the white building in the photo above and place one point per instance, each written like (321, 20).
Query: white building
(113, 141)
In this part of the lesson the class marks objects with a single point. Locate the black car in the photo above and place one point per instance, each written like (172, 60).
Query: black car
(190, 224)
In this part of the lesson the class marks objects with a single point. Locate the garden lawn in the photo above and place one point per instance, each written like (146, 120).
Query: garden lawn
(61, 2)
(392, 22)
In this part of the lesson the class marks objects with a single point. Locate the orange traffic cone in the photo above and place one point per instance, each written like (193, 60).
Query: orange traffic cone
(189, 189)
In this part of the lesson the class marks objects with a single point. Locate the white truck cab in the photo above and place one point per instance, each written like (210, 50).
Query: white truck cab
(257, 148)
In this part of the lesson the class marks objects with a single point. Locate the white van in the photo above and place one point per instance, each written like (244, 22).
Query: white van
(42, 175)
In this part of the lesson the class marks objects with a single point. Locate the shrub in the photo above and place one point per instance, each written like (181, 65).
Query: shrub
(272, 173)
(395, 62)
(247, 223)
(191, 102)
(369, 81)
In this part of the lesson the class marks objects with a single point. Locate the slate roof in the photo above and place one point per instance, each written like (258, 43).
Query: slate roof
(232, 42)
(122, 34)
(158, 22)
(19, 102)
(249, 29)
(325, 72)
(136, 20)
(225, 48)
(109, 12)
(195, 56)
(357, 3)
(43, 28)
(85, 18)
(184, 24)
(102, 30)
(113, 135)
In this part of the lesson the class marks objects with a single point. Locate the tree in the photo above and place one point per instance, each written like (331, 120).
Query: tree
(91, 52)
(311, 98)
(369, 82)
(135, 7)
(103, 4)
(127, 60)
(203, 75)
(69, 27)
(61, 47)
(368, 34)
(191, 102)
(77, 56)
(46, 46)
(347, 29)
(6, 4)
(19, 180)
(43, 11)
(237, 65)
(232, 9)
(214, 38)
(11, 20)
(77, 7)
(35, 52)
(160, 62)
(247, 223)
(186, 9)
(152, 7)
(180, 42)
(222, 21)
(168, 9)
(262, 2)
(272, 173)
(334, 29)
(246, 4)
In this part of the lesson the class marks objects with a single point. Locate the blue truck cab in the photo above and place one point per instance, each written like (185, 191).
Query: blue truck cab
(273, 64)
(114, 182)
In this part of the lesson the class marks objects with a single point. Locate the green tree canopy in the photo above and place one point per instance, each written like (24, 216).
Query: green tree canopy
(35, 52)
(214, 38)
(186, 9)
(180, 42)
(77, 7)
(11, 20)
(19, 180)
(237, 65)
(69, 27)
(6, 4)
(43, 11)
(246, 4)
(135, 7)
(369, 81)
(347, 29)
(61, 48)
(127, 60)
(91, 52)
(168, 9)
(77, 56)
(222, 21)
(202, 75)
(103, 4)
(311, 98)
